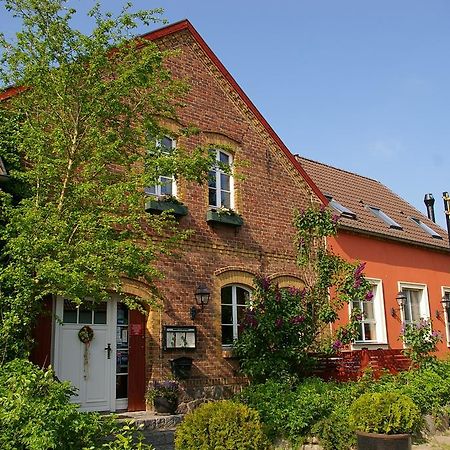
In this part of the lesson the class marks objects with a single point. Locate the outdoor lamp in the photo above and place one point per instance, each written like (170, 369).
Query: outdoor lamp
(401, 300)
(445, 305)
(202, 296)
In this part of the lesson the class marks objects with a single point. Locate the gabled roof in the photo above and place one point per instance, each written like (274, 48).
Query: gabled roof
(185, 25)
(358, 193)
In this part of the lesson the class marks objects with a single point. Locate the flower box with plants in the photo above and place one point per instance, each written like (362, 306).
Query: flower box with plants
(224, 216)
(384, 421)
(157, 205)
(164, 396)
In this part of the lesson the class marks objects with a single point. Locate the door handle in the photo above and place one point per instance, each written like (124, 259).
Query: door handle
(108, 351)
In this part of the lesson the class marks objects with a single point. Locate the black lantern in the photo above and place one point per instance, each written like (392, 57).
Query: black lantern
(401, 300)
(202, 296)
(445, 302)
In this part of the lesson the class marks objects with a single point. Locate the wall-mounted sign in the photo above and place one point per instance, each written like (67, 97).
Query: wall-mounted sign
(176, 338)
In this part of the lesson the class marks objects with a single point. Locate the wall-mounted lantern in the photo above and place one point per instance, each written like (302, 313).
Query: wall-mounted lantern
(401, 301)
(445, 305)
(202, 296)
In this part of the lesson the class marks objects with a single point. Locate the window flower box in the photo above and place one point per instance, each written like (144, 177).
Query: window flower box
(227, 217)
(156, 206)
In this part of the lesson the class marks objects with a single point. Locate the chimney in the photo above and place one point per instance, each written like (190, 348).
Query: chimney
(429, 203)
(446, 199)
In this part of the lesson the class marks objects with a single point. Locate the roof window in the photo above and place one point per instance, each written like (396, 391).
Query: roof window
(426, 228)
(385, 218)
(341, 209)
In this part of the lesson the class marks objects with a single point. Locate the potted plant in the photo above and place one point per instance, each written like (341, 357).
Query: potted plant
(163, 395)
(384, 421)
(225, 216)
(157, 205)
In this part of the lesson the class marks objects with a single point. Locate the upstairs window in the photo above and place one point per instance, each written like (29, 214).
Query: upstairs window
(220, 183)
(341, 209)
(166, 183)
(385, 218)
(426, 228)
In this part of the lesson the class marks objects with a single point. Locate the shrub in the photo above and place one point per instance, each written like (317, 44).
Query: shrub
(287, 411)
(335, 431)
(36, 414)
(219, 426)
(387, 413)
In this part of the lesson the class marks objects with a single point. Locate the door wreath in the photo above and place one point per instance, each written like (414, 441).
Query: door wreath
(85, 335)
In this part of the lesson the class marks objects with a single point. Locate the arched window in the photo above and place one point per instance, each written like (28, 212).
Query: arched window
(234, 299)
(220, 184)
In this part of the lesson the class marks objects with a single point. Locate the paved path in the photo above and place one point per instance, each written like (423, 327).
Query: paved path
(435, 443)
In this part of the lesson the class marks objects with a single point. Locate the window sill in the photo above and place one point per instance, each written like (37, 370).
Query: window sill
(233, 220)
(158, 206)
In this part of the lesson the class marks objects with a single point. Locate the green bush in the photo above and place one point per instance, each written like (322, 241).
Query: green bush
(335, 431)
(387, 413)
(222, 425)
(290, 412)
(36, 414)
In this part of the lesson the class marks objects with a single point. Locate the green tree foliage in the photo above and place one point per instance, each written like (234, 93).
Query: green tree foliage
(36, 414)
(88, 126)
(282, 327)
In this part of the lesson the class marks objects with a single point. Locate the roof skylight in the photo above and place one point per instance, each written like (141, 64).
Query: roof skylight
(341, 209)
(426, 228)
(385, 218)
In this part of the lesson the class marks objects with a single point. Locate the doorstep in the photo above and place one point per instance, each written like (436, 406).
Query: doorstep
(150, 421)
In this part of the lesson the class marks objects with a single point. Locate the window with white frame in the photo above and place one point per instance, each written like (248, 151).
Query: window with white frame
(446, 296)
(220, 183)
(372, 327)
(234, 299)
(416, 305)
(166, 183)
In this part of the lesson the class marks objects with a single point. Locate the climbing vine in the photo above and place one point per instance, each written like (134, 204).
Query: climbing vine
(283, 327)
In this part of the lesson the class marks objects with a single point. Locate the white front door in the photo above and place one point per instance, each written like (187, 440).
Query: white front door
(91, 367)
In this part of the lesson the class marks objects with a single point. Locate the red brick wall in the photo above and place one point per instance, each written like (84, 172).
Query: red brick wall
(267, 191)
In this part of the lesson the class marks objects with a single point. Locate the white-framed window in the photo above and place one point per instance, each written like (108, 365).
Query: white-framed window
(372, 328)
(221, 184)
(446, 294)
(234, 299)
(416, 305)
(166, 183)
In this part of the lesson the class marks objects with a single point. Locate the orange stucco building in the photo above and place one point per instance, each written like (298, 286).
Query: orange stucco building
(403, 249)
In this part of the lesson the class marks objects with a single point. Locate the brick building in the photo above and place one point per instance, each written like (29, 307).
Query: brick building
(265, 187)
(404, 250)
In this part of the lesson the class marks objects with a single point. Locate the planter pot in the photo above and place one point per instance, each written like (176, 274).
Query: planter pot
(165, 406)
(233, 220)
(375, 441)
(157, 207)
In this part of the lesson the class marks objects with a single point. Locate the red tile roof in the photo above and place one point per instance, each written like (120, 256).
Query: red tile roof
(358, 193)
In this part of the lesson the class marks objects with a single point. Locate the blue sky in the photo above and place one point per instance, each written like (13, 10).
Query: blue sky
(358, 84)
